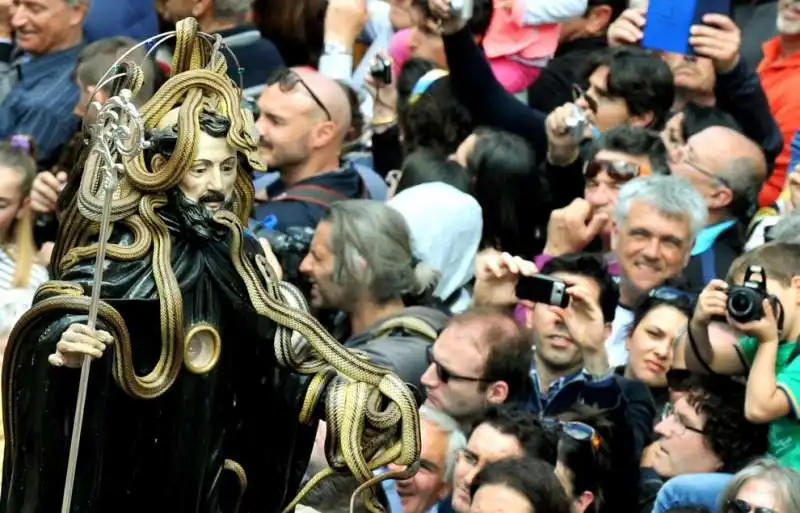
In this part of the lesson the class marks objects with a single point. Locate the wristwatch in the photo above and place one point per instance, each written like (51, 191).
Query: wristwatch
(337, 49)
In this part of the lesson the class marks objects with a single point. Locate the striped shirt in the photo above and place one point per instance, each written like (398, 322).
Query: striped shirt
(41, 102)
(7, 265)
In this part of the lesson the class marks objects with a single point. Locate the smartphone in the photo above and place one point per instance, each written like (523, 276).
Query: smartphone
(669, 22)
(543, 289)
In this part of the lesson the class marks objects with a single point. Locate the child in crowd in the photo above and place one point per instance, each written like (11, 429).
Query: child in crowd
(523, 36)
(18, 266)
(520, 38)
(769, 347)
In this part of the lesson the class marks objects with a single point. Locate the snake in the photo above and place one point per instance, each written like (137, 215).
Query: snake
(372, 417)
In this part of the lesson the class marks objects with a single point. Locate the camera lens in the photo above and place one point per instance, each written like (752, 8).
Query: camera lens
(741, 304)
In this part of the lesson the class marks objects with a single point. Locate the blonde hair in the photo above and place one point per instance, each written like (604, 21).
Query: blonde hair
(17, 154)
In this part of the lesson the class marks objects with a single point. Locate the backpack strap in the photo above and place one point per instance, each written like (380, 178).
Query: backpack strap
(317, 194)
(409, 324)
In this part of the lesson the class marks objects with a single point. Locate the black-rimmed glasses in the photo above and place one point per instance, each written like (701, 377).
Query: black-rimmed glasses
(287, 79)
(444, 374)
(681, 427)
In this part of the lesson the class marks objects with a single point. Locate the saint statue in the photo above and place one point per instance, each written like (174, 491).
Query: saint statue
(208, 374)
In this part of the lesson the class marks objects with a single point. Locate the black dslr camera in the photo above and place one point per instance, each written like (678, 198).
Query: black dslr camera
(744, 301)
(381, 70)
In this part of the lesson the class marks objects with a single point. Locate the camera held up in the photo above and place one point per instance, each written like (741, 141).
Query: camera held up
(745, 301)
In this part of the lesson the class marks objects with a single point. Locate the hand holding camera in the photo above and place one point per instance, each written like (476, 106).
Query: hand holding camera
(747, 307)
(566, 127)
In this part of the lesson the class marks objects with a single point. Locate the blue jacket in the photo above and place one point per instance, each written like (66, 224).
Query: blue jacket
(794, 155)
(132, 18)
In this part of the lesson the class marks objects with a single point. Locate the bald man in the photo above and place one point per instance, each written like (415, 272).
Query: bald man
(728, 169)
(303, 123)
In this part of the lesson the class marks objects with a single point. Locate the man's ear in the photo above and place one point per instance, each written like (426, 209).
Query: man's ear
(796, 288)
(642, 121)
(497, 393)
(607, 329)
(598, 19)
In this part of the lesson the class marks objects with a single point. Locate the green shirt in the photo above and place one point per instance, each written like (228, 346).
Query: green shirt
(784, 433)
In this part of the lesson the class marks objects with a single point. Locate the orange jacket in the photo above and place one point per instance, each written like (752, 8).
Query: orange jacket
(780, 78)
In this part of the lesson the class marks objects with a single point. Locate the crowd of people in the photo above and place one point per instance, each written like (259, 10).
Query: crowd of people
(427, 158)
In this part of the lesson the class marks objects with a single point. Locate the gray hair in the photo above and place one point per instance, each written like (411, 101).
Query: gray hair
(673, 196)
(231, 8)
(456, 439)
(73, 3)
(786, 482)
(744, 180)
(787, 229)
(372, 233)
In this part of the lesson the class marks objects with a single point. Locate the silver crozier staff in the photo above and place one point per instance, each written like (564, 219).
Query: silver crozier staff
(118, 133)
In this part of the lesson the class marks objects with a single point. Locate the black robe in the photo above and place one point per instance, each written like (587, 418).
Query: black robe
(164, 454)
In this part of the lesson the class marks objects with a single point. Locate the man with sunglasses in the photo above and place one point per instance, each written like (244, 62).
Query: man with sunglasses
(482, 358)
(615, 158)
(304, 121)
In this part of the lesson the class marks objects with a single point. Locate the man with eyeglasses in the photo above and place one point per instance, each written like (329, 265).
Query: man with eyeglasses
(504, 432)
(704, 431)
(303, 124)
(728, 170)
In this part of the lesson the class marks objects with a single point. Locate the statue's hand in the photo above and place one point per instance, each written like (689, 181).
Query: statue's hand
(79, 341)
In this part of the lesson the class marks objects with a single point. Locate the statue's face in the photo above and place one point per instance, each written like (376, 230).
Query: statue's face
(211, 178)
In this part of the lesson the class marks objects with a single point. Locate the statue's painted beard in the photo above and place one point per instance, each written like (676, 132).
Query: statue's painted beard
(196, 218)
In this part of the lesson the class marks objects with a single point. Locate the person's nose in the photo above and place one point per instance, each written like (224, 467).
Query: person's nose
(305, 265)
(651, 249)
(663, 350)
(19, 18)
(429, 378)
(215, 179)
(600, 196)
(469, 478)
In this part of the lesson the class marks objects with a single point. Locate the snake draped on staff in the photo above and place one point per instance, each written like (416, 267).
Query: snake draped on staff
(208, 374)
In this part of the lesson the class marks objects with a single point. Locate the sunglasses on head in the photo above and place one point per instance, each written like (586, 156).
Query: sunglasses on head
(287, 79)
(741, 506)
(618, 170)
(577, 431)
(673, 295)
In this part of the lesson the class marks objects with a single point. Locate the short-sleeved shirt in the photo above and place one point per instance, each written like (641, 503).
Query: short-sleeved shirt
(784, 433)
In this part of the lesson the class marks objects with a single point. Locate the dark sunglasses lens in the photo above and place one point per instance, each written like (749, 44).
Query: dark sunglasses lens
(593, 168)
(622, 172)
(740, 506)
(444, 376)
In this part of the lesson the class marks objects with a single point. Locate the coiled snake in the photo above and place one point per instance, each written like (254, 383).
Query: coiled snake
(372, 414)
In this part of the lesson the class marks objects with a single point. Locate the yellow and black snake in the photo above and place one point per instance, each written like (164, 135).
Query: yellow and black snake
(372, 416)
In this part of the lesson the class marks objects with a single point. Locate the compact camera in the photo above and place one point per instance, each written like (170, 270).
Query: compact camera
(543, 289)
(381, 70)
(745, 301)
(576, 124)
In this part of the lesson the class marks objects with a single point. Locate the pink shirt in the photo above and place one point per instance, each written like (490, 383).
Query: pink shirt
(513, 76)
